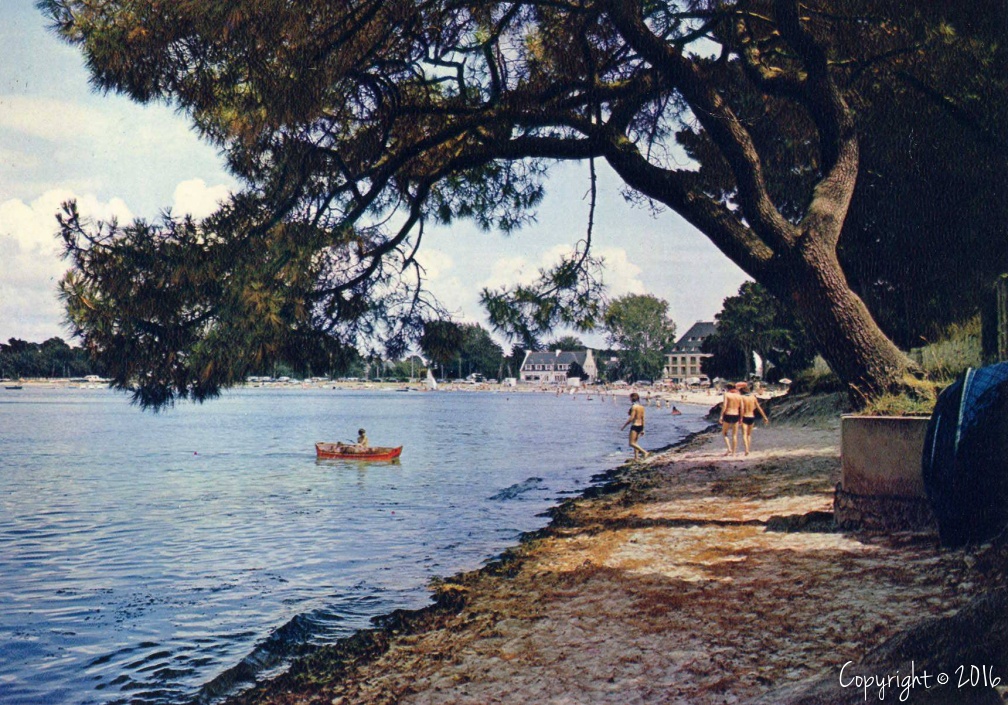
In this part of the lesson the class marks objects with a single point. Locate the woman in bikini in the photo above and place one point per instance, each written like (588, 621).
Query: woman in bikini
(731, 412)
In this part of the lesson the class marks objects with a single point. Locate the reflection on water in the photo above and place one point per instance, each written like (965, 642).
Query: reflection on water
(143, 556)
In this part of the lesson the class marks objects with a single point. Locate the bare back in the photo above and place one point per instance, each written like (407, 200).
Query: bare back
(732, 403)
(750, 405)
(637, 414)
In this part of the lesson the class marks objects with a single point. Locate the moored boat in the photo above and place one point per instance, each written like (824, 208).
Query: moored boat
(350, 451)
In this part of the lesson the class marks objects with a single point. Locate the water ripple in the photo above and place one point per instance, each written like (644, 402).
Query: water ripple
(172, 557)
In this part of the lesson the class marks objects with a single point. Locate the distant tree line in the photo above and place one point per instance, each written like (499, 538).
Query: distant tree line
(637, 327)
(460, 350)
(472, 351)
(52, 358)
(451, 350)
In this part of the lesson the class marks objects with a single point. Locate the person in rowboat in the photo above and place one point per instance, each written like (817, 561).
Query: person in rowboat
(359, 447)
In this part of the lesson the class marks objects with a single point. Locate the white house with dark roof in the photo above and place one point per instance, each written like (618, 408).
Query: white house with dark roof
(552, 367)
(684, 360)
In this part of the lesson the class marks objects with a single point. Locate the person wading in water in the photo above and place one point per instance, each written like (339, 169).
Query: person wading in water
(636, 423)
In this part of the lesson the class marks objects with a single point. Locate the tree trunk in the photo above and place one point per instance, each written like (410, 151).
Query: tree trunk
(796, 261)
(839, 323)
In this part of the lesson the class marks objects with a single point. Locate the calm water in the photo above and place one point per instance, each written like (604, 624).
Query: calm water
(157, 558)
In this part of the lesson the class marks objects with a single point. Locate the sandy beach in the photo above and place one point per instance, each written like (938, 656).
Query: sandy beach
(692, 578)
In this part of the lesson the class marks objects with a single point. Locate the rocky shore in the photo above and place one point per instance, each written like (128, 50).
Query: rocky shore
(692, 578)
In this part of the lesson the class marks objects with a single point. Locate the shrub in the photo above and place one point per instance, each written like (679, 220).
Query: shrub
(917, 399)
(817, 379)
(946, 359)
(942, 361)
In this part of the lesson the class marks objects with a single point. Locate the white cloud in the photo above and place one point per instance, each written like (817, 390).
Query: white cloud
(620, 275)
(108, 122)
(198, 199)
(445, 282)
(51, 119)
(458, 287)
(436, 263)
(510, 270)
(31, 267)
(30, 262)
(519, 269)
(29, 308)
(19, 223)
(33, 225)
(105, 145)
(496, 265)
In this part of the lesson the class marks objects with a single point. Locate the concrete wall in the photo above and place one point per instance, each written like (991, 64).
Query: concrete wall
(880, 473)
(881, 455)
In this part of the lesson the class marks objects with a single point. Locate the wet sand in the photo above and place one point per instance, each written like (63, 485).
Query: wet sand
(692, 578)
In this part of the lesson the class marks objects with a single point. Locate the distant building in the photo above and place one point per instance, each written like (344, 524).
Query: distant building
(684, 360)
(553, 367)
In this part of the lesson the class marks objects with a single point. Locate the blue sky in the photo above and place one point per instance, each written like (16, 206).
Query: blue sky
(59, 139)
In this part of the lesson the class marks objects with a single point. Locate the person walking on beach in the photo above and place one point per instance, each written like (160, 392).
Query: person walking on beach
(750, 405)
(636, 422)
(731, 412)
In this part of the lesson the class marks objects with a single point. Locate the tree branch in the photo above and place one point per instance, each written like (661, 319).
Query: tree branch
(770, 79)
(717, 118)
(673, 188)
(962, 116)
(837, 136)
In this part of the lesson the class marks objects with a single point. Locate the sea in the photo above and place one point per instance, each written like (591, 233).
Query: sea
(173, 557)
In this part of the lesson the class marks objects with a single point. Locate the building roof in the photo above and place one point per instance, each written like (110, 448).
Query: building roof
(692, 339)
(556, 357)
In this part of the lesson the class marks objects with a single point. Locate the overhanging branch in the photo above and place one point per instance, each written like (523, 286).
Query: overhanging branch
(718, 120)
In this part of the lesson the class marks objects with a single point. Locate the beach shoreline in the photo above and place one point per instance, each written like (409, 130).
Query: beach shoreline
(691, 578)
(649, 395)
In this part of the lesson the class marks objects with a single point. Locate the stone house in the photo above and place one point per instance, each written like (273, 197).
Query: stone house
(552, 367)
(684, 360)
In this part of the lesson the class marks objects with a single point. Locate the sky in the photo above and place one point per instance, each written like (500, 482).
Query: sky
(61, 140)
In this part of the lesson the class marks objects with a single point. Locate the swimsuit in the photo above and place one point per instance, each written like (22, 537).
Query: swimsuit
(748, 420)
(731, 418)
(637, 429)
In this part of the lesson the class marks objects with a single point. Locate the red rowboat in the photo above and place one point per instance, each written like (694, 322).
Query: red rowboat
(349, 451)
